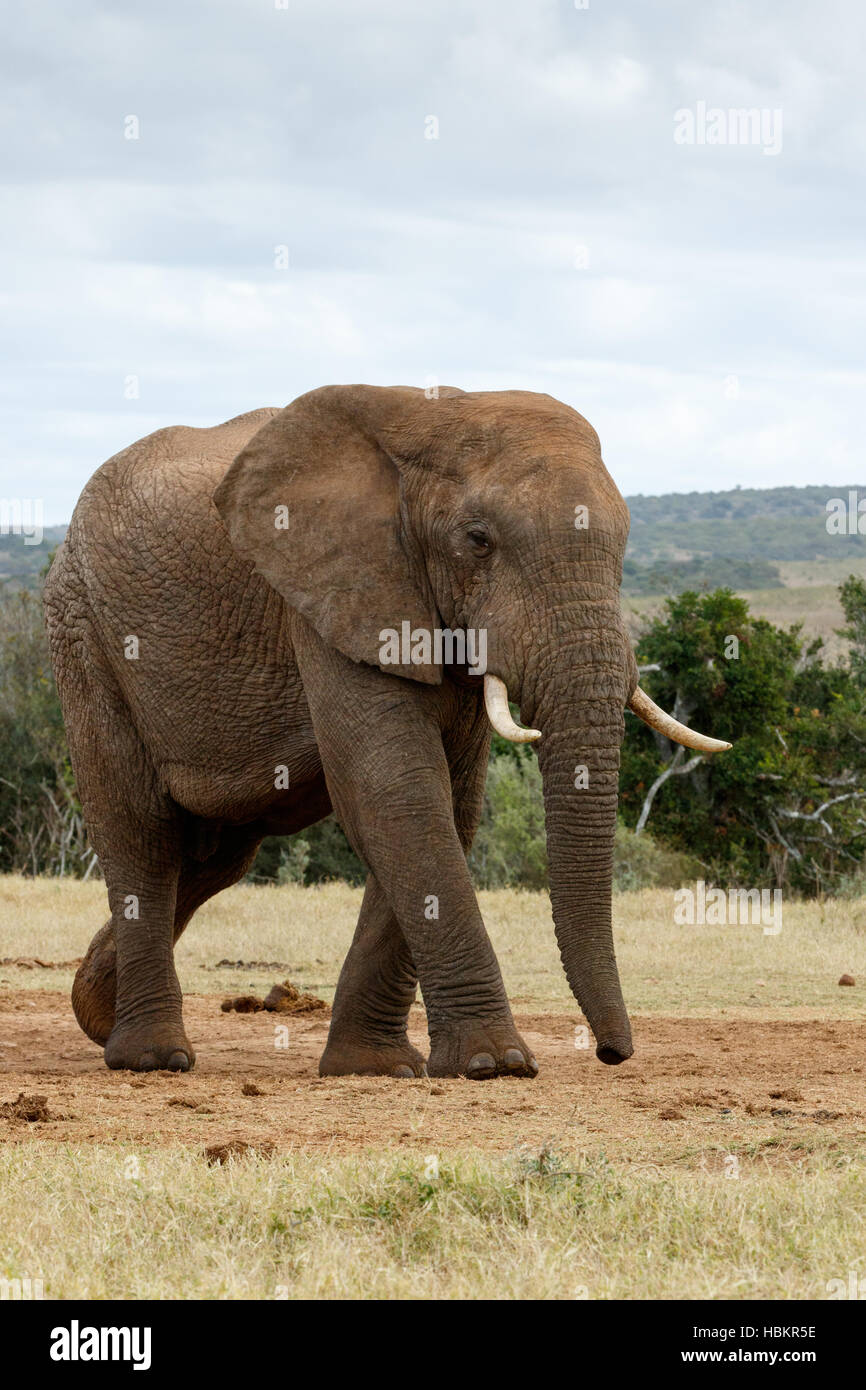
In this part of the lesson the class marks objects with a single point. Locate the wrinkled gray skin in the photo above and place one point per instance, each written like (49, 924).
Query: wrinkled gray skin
(259, 648)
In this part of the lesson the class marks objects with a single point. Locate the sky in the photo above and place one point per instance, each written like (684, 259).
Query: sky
(214, 205)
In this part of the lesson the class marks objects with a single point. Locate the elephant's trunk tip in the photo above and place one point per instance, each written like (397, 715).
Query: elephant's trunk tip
(612, 1030)
(614, 1053)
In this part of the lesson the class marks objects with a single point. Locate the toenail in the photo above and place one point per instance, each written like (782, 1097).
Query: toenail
(178, 1061)
(481, 1066)
(403, 1070)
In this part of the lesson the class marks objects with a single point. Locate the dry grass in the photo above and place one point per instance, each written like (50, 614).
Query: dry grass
(665, 968)
(103, 1224)
(820, 570)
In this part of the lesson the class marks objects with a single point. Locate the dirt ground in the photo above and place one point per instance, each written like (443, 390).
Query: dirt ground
(693, 1086)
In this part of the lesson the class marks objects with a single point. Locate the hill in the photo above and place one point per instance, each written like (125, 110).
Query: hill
(745, 524)
(21, 564)
(751, 539)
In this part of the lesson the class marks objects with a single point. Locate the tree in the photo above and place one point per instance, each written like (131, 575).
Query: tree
(41, 825)
(785, 804)
(852, 596)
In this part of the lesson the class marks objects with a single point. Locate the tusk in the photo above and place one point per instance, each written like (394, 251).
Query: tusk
(496, 704)
(647, 710)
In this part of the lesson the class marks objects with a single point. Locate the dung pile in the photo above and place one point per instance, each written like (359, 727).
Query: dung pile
(282, 999)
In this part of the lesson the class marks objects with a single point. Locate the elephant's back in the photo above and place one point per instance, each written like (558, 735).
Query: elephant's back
(153, 500)
(178, 458)
(147, 555)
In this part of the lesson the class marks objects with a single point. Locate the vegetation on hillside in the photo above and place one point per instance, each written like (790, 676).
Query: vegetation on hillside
(701, 540)
(22, 563)
(700, 572)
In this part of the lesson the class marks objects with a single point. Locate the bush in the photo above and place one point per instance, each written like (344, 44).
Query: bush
(41, 827)
(510, 849)
(315, 855)
(784, 806)
(639, 862)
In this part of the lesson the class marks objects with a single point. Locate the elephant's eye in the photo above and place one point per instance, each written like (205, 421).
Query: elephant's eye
(481, 541)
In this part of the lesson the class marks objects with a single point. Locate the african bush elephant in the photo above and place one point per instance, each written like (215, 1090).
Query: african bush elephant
(253, 624)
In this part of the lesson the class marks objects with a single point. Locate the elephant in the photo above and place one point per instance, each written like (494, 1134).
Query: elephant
(222, 617)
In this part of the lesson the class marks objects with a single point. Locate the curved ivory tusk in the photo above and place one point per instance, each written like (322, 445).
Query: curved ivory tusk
(647, 710)
(496, 704)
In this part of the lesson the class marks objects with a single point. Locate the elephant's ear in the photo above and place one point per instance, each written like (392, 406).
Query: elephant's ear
(314, 502)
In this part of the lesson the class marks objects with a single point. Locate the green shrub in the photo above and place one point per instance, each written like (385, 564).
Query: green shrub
(315, 855)
(510, 849)
(640, 862)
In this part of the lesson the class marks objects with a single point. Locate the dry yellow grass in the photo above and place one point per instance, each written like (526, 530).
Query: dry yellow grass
(665, 967)
(820, 570)
(107, 1225)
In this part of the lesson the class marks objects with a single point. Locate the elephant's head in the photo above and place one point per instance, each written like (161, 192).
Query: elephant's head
(371, 507)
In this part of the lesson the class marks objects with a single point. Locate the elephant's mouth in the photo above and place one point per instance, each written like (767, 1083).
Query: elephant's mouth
(496, 704)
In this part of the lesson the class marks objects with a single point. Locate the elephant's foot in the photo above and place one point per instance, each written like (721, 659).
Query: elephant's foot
(480, 1051)
(346, 1056)
(149, 1045)
(95, 986)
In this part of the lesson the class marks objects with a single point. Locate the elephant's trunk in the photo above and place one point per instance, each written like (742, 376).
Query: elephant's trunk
(578, 706)
(581, 716)
(580, 799)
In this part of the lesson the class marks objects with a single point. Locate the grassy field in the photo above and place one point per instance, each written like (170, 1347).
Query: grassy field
(815, 606)
(533, 1226)
(666, 968)
(710, 1203)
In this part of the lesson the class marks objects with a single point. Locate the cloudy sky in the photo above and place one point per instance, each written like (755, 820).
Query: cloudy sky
(284, 220)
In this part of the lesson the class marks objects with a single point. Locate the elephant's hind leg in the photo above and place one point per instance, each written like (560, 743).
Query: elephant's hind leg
(137, 832)
(375, 991)
(94, 989)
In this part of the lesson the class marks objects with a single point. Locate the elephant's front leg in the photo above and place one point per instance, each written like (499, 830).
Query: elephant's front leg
(378, 982)
(375, 991)
(381, 743)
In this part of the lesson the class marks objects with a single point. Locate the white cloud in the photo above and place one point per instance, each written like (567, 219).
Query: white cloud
(456, 258)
